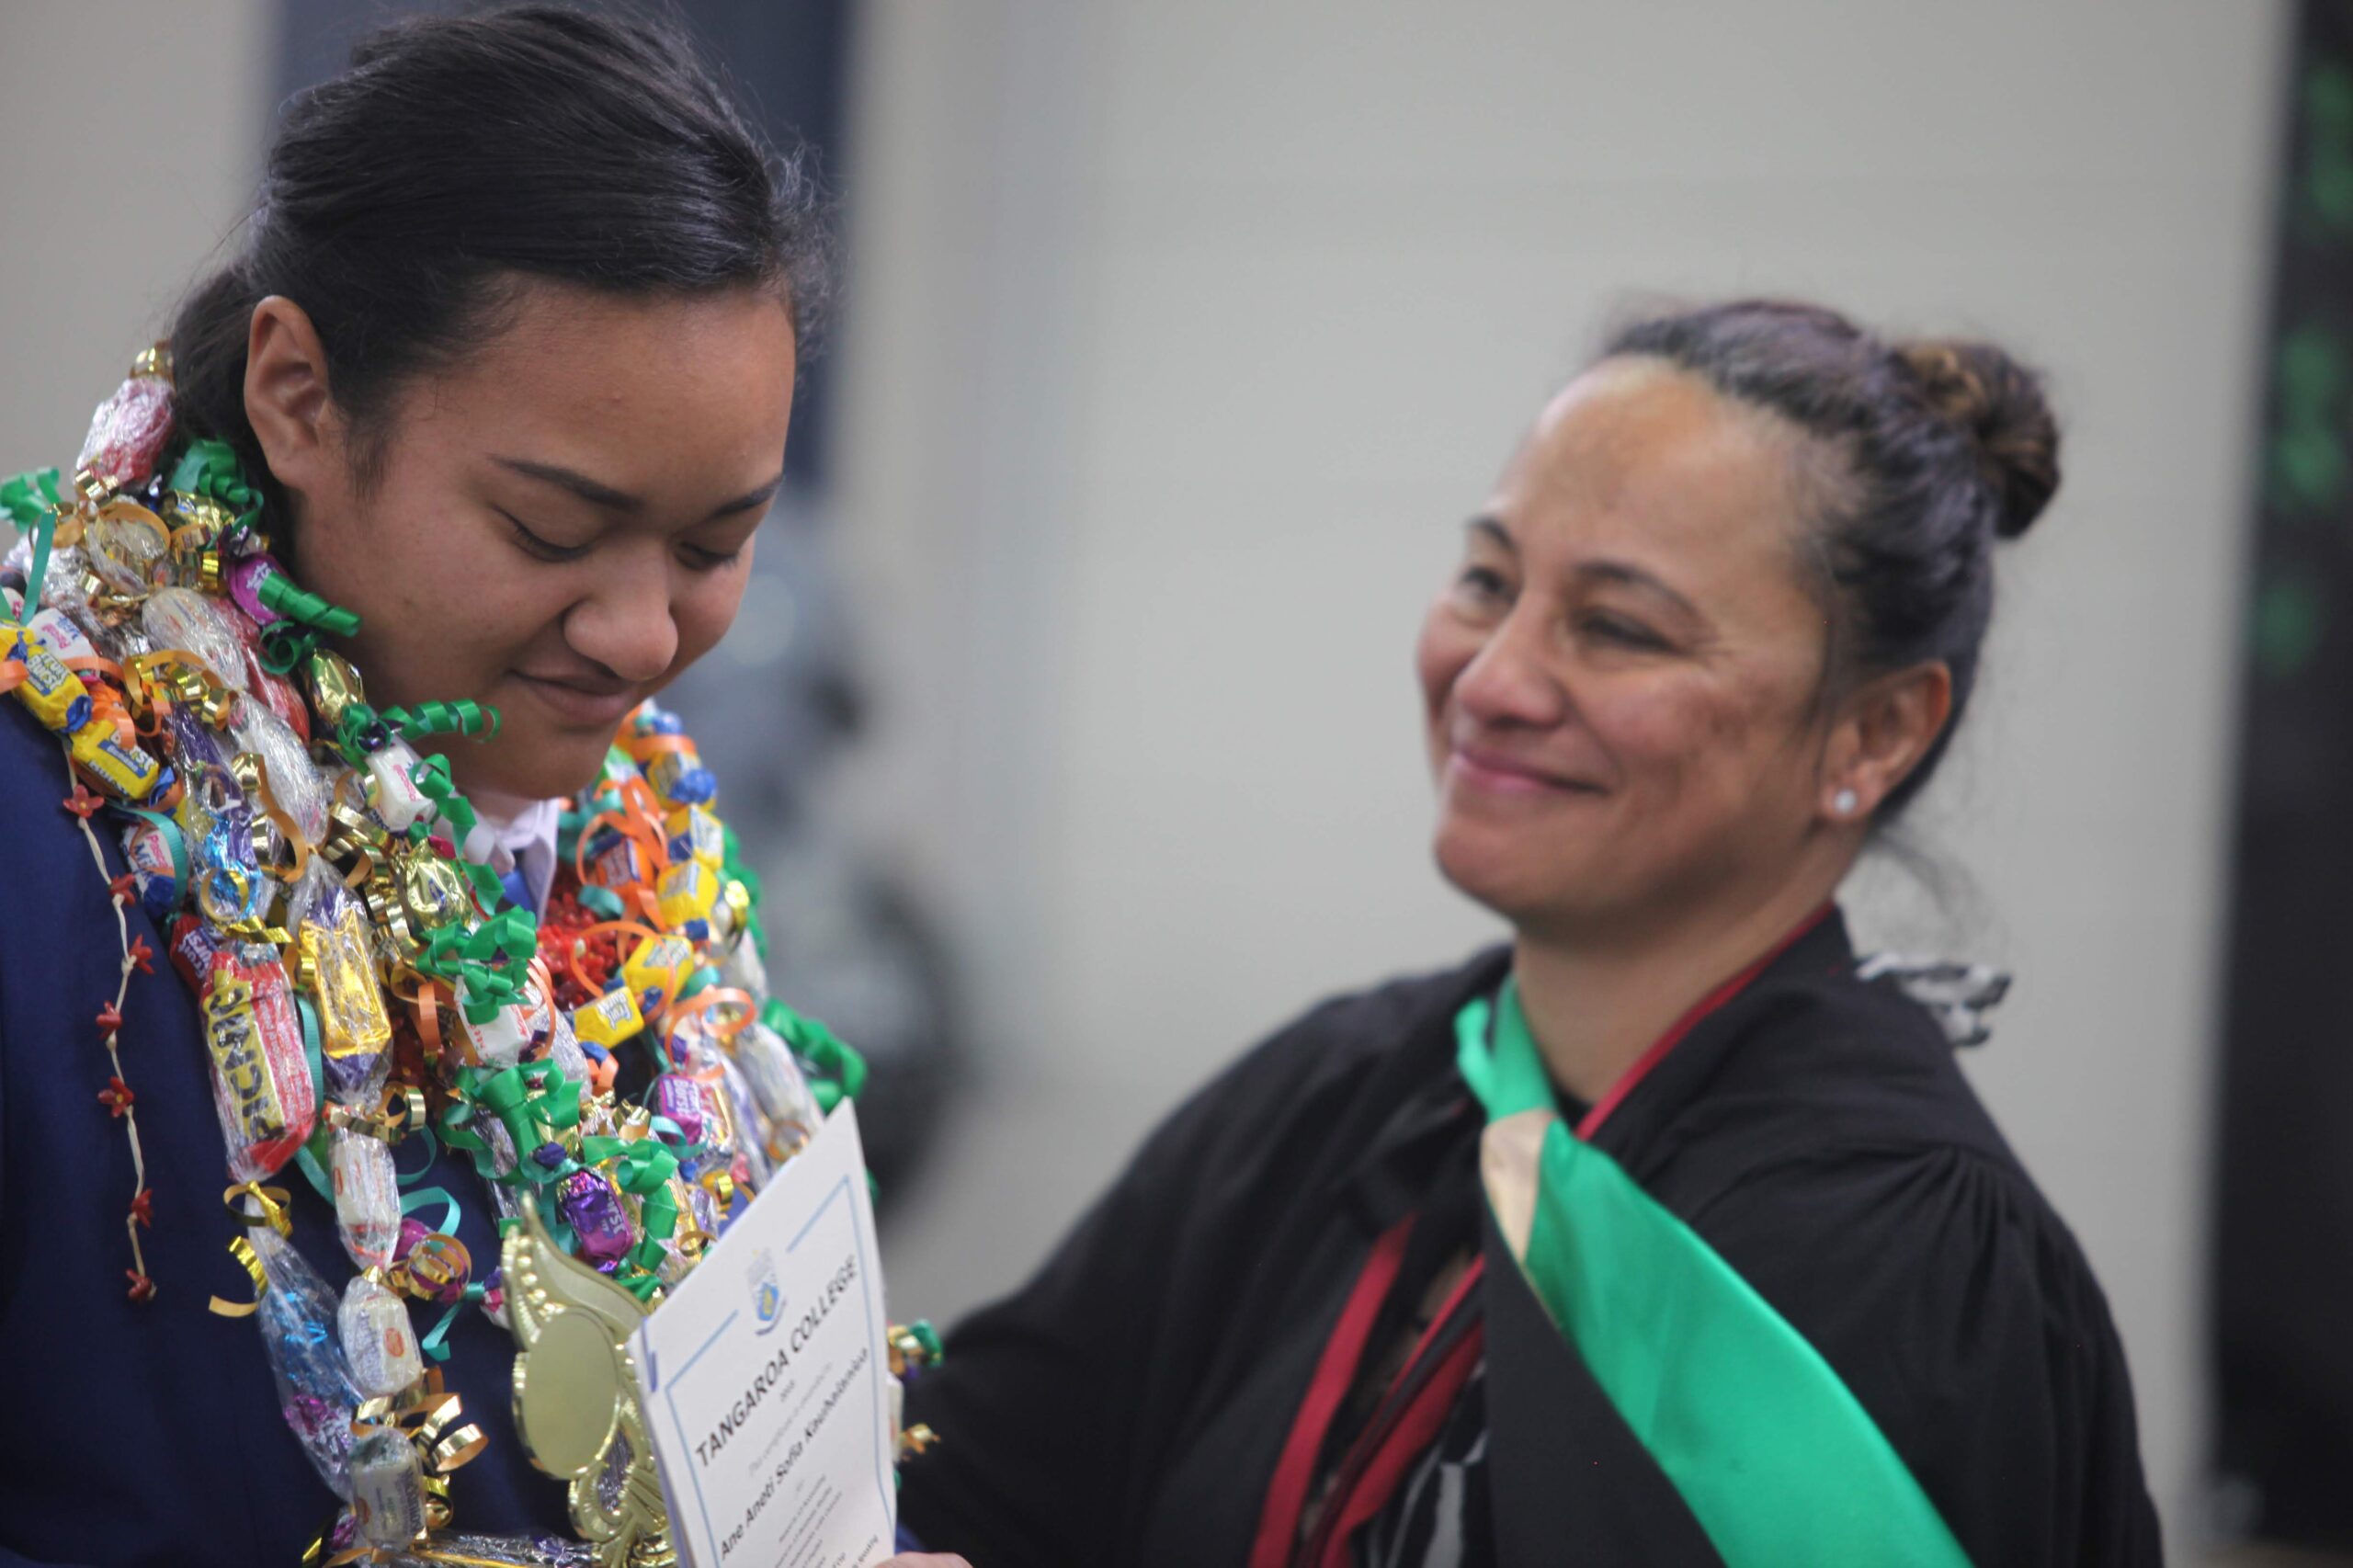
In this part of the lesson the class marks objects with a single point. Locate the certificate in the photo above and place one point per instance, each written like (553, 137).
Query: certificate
(767, 1378)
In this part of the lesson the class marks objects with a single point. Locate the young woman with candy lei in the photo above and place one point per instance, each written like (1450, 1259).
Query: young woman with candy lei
(447, 918)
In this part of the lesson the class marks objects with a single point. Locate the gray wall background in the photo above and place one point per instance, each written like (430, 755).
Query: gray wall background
(1178, 340)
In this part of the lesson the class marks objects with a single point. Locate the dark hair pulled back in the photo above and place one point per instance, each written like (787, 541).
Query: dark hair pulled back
(403, 198)
(1936, 450)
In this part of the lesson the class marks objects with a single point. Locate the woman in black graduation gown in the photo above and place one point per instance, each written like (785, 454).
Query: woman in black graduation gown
(1662, 1236)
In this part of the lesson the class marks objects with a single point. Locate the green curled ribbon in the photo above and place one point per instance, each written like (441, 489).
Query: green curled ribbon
(31, 503)
(473, 720)
(533, 1102)
(279, 593)
(838, 1071)
(457, 815)
(210, 468)
(487, 963)
(641, 1167)
(285, 644)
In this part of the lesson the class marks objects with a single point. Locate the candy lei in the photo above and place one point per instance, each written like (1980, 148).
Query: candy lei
(363, 980)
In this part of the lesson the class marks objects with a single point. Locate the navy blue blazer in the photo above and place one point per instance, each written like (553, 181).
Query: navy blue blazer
(149, 1432)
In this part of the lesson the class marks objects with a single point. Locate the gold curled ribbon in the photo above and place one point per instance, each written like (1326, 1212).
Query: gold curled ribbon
(399, 1111)
(382, 895)
(152, 682)
(433, 1264)
(432, 1418)
(270, 1202)
(242, 1251)
(253, 777)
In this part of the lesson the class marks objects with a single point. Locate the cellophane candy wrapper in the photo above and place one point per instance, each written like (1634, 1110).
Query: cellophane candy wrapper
(294, 779)
(387, 1487)
(777, 1083)
(355, 1032)
(298, 1335)
(186, 621)
(523, 1551)
(128, 431)
(367, 1197)
(753, 1132)
(379, 1341)
(261, 1077)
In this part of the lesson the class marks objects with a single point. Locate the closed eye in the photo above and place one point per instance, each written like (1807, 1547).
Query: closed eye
(702, 559)
(1624, 633)
(541, 548)
(1483, 580)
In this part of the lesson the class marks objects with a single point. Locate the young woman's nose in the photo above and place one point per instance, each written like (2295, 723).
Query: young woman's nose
(626, 624)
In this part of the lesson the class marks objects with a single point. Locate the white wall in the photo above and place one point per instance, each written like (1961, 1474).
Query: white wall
(1181, 338)
(129, 143)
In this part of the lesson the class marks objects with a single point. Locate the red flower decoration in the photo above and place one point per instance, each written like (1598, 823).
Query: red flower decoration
(109, 1018)
(143, 1208)
(116, 1097)
(82, 803)
(142, 956)
(124, 888)
(141, 1288)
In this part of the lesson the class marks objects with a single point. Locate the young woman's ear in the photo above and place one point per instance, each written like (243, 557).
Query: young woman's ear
(287, 398)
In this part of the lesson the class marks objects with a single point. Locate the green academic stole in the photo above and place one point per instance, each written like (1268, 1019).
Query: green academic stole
(1774, 1457)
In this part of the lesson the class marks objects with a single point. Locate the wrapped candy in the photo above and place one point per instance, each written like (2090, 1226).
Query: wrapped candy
(126, 549)
(609, 1019)
(695, 835)
(668, 759)
(55, 694)
(261, 1080)
(655, 970)
(186, 621)
(592, 1206)
(680, 778)
(247, 578)
(276, 691)
(334, 955)
(65, 638)
(681, 1100)
(294, 779)
(129, 430)
(564, 1048)
(379, 1343)
(119, 768)
(297, 1313)
(152, 850)
(387, 1487)
(779, 1085)
(686, 894)
(367, 1197)
(391, 769)
(193, 943)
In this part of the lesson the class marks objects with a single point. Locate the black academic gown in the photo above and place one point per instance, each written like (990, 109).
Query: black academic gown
(1131, 1405)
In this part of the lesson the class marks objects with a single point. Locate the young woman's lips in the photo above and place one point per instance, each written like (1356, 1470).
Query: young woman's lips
(580, 703)
(1499, 775)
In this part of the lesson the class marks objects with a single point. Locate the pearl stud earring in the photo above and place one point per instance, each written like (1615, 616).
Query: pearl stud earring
(1843, 803)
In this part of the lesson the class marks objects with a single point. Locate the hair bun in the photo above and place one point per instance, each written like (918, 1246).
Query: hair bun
(1998, 403)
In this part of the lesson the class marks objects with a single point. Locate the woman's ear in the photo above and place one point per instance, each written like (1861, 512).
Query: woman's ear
(1880, 732)
(287, 399)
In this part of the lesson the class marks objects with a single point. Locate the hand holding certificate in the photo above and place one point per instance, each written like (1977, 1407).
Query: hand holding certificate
(767, 1383)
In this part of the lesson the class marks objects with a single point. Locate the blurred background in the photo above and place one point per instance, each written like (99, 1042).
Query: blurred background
(1070, 716)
